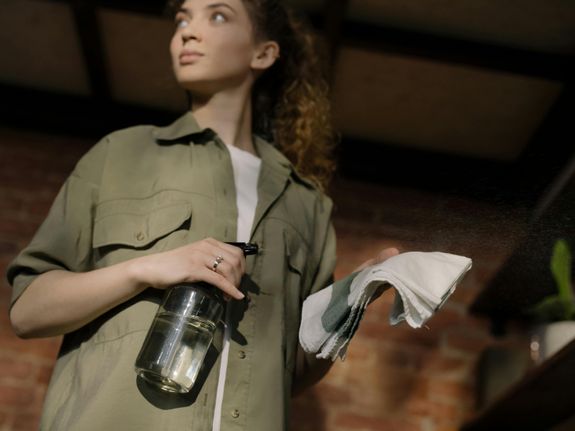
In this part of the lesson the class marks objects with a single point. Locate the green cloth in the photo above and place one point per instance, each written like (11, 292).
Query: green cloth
(147, 189)
(338, 308)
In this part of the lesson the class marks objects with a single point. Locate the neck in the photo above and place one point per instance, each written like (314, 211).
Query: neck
(229, 114)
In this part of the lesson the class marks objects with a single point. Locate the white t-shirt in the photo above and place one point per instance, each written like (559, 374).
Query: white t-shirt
(246, 172)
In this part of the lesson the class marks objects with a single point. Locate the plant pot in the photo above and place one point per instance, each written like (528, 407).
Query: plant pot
(548, 338)
(499, 367)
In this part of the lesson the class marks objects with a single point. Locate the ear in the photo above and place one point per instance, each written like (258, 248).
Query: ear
(265, 55)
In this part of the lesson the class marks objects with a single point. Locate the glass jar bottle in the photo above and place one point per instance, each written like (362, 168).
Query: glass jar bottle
(180, 336)
(181, 333)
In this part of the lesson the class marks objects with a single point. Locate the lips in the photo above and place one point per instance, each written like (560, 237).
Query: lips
(188, 56)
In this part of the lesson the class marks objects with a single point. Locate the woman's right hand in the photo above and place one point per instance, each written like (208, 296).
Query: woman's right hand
(194, 262)
(58, 301)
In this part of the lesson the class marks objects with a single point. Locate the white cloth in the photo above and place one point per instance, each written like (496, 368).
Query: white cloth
(246, 168)
(423, 281)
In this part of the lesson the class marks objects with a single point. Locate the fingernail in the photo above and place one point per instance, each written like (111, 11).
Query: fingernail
(241, 295)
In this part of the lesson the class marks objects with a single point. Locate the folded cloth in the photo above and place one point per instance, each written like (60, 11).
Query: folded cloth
(423, 281)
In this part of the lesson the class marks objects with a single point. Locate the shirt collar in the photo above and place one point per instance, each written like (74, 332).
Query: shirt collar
(274, 158)
(187, 126)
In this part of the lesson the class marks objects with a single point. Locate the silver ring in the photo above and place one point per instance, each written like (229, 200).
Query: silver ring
(217, 262)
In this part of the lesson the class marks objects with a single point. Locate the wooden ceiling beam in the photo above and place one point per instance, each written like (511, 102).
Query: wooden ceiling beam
(551, 147)
(146, 7)
(334, 13)
(90, 38)
(345, 32)
(456, 51)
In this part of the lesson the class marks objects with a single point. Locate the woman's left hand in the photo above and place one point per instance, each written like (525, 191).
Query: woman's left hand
(383, 255)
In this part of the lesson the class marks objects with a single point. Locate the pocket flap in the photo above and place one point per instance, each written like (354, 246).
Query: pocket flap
(138, 222)
(296, 251)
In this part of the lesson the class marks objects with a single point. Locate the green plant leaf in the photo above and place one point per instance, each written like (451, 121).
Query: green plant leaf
(553, 308)
(561, 269)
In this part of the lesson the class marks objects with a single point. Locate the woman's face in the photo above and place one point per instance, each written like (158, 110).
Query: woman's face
(213, 45)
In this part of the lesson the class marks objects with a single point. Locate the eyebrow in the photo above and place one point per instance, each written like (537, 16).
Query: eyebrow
(210, 6)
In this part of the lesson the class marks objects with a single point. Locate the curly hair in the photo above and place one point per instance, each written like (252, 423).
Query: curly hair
(291, 105)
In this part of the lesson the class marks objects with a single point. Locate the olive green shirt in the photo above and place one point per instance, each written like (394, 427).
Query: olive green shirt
(146, 189)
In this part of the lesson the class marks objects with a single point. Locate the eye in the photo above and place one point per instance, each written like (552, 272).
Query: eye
(180, 23)
(218, 17)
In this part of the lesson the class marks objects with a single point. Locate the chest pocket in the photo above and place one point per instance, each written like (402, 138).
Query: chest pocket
(153, 223)
(283, 264)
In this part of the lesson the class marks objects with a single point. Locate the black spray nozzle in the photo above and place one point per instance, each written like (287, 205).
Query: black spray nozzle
(247, 247)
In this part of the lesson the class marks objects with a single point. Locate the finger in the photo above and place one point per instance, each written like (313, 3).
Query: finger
(231, 249)
(365, 264)
(238, 255)
(214, 260)
(226, 265)
(220, 282)
(231, 273)
(232, 255)
(386, 254)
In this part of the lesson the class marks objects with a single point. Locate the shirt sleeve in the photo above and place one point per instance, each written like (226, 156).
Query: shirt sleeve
(324, 249)
(64, 239)
(309, 369)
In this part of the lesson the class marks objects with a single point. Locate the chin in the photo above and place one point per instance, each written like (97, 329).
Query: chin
(214, 84)
(199, 87)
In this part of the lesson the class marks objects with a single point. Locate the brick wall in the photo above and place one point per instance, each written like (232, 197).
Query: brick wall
(33, 167)
(399, 378)
(394, 378)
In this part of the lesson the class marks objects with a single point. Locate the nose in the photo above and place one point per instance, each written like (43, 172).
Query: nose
(190, 32)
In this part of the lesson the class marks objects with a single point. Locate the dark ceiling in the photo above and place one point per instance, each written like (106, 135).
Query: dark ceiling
(472, 100)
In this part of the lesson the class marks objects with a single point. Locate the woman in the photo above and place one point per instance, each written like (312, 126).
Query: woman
(149, 207)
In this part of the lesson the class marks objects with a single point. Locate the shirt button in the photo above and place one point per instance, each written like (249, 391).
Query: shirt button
(241, 354)
(235, 413)
(140, 236)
